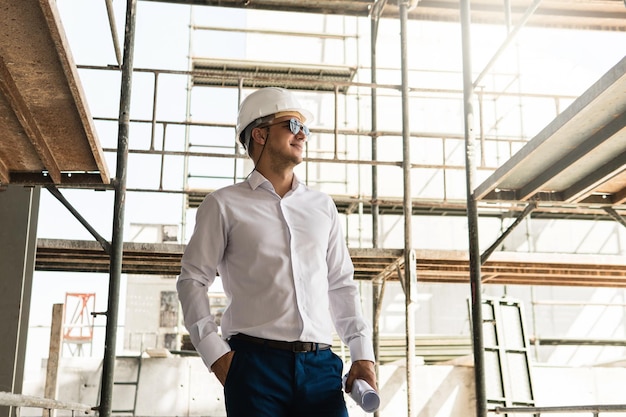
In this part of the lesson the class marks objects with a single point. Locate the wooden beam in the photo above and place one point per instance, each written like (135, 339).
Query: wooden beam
(54, 356)
(28, 121)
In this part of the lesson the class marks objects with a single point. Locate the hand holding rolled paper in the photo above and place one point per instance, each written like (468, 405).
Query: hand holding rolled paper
(364, 395)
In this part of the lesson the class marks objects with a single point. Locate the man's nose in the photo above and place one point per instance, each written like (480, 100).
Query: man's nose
(300, 135)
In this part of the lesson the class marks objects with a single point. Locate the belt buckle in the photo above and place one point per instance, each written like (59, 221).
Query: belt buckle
(300, 347)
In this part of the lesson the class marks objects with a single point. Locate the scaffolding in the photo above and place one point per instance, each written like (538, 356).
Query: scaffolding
(241, 75)
(79, 322)
(337, 83)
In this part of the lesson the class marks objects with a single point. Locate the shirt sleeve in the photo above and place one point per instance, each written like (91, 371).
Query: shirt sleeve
(198, 271)
(344, 297)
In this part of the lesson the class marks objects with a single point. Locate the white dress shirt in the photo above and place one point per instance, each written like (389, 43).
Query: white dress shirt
(284, 266)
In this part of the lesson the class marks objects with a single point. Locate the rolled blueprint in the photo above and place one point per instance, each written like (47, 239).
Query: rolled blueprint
(364, 395)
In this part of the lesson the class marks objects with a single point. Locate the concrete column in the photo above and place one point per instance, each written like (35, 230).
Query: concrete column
(19, 209)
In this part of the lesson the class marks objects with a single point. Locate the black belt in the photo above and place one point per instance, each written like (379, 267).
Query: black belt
(278, 344)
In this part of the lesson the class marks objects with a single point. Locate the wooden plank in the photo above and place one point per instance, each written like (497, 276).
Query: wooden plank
(50, 132)
(54, 356)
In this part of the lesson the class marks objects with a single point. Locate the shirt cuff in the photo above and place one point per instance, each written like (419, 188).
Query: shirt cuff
(362, 349)
(211, 348)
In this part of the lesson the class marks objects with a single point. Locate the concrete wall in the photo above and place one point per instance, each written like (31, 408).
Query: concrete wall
(17, 263)
(181, 386)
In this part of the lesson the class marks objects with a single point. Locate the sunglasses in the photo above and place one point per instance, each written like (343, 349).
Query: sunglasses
(295, 126)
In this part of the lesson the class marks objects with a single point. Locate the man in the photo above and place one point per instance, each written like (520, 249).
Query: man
(286, 271)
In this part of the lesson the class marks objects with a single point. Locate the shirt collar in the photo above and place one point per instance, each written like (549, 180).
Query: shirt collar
(256, 179)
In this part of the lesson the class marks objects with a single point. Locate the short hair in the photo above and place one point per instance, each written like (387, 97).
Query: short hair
(246, 134)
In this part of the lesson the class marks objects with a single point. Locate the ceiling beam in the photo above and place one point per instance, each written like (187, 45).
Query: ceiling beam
(582, 190)
(579, 190)
(572, 14)
(620, 197)
(442, 266)
(28, 121)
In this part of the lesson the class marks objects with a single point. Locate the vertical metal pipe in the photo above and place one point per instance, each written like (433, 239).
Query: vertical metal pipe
(377, 288)
(162, 172)
(472, 216)
(409, 272)
(108, 364)
(375, 211)
(183, 216)
(481, 118)
(336, 132)
(239, 100)
(154, 109)
(507, 15)
(444, 154)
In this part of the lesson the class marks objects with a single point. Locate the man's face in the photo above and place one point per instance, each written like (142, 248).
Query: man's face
(281, 144)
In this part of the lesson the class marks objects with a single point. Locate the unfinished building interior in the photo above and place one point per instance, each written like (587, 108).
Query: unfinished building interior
(496, 176)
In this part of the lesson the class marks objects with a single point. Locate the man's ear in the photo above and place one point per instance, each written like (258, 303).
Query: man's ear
(258, 135)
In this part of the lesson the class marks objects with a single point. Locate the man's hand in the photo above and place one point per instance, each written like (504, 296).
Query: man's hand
(221, 366)
(361, 370)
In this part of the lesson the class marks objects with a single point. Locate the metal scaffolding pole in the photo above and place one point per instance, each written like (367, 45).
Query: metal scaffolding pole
(377, 286)
(115, 271)
(113, 27)
(375, 19)
(409, 256)
(472, 217)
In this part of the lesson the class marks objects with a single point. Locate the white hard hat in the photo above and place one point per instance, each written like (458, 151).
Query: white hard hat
(267, 101)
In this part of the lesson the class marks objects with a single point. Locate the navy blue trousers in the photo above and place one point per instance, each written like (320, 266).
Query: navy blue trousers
(267, 382)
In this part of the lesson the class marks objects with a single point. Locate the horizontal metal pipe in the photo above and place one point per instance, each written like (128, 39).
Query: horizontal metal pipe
(344, 132)
(276, 32)
(396, 87)
(576, 342)
(605, 408)
(19, 400)
(577, 303)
